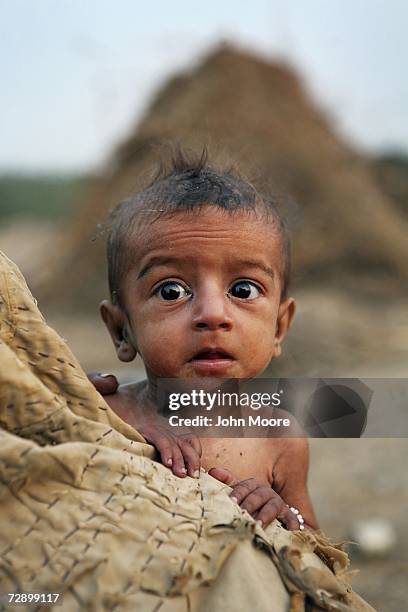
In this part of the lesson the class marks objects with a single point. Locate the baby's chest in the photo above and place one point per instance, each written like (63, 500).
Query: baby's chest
(244, 457)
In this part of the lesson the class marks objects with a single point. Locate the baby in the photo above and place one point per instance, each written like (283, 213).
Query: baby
(198, 273)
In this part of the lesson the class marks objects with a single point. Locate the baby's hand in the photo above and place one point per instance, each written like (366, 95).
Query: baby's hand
(263, 503)
(260, 500)
(180, 453)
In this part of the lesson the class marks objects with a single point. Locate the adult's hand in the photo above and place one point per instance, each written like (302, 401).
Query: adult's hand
(106, 384)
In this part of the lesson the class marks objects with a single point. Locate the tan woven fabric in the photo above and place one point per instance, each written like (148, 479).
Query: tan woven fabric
(87, 512)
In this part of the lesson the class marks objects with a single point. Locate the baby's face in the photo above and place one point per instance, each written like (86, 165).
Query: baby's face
(203, 296)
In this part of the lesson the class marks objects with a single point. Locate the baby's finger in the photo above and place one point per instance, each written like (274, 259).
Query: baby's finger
(194, 441)
(241, 490)
(178, 467)
(223, 475)
(164, 446)
(257, 499)
(273, 509)
(288, 518)
(191, 458)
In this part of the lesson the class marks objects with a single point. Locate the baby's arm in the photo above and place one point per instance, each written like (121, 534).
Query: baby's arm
(180, 453)
(280, 481)
(289, 476)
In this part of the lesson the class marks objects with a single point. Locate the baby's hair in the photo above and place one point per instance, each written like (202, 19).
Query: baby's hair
(185, 181)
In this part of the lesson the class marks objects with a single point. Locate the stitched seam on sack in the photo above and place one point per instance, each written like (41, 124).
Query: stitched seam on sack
(11, 306)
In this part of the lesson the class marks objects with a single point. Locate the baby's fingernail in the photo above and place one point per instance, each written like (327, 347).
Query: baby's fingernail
(183, 471)
(234, 499)
(196, 474)
(169, 461)
(260, 523)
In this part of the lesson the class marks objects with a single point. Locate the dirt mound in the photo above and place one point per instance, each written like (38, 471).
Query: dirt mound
(259, 113)
(391, 173)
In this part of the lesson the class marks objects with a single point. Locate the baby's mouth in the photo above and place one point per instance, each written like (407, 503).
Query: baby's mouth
(212, 361)
(212, 355)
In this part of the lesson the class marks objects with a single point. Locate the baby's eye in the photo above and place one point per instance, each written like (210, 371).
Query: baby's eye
(171, 291)
(245, 290)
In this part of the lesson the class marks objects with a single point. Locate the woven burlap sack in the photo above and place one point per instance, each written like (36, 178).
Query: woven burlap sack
(87, 512)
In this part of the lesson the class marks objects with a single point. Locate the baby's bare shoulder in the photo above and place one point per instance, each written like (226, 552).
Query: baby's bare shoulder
(284, 456)
(126, 401)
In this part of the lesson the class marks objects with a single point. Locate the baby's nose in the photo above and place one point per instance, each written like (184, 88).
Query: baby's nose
(211, 312)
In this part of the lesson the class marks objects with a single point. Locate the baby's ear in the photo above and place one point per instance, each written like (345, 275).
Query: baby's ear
(116, 322)
(286, 314)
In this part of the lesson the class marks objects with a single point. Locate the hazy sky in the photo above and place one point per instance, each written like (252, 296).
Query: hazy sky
(77, 74)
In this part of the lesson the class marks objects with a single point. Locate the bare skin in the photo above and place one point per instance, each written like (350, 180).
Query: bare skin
(266, 474)
(202, 298)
